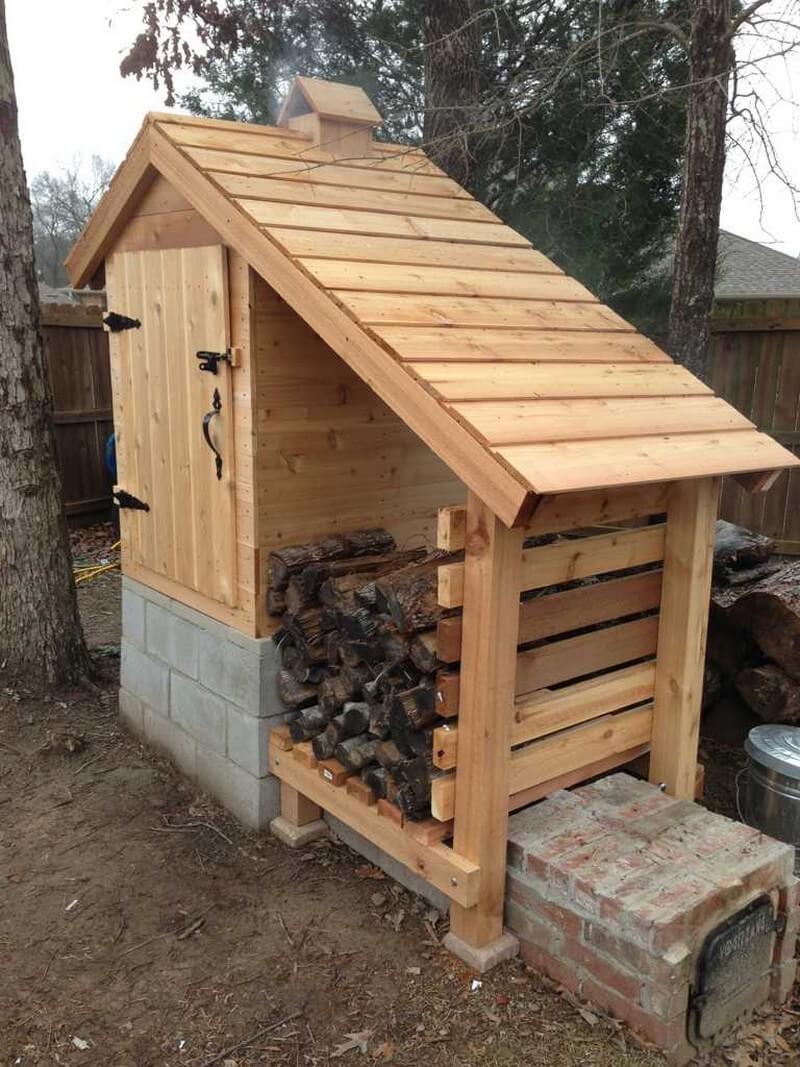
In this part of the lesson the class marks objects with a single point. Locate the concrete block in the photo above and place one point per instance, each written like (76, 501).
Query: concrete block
(133, 607)
(171, 741)
(230, 671)
(248, 742)
(152, 596)
(297, 836)
(201, 713)
(144, 677)
(172, 639)
(506, 947)
(131, 712)
(253, 801)
(402, 874)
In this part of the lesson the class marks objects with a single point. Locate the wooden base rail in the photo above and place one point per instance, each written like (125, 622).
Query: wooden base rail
(548, 711)
(609, 738)
(451, 874)
(567, 561)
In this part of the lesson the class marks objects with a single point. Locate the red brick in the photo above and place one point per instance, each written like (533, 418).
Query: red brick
(664, 1000)
(664, 1033)
(567, 922)
(789, 896)
(601, 968)
(650, 966)
(527, 927)
(549, 965)
(786, 941)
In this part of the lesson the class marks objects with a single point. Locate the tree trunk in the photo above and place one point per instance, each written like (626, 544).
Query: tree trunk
(40, 632)
(452, 83)
(711, 60)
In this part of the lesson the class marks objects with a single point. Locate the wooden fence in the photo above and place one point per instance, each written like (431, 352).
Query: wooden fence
(756, 367)
(76, 352)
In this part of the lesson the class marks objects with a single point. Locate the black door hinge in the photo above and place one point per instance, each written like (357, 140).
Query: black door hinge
(116, 322)
(210, 361)
(128, 500)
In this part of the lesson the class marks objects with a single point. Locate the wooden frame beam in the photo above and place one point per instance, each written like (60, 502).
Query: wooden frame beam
(686, 587)
(488, 672)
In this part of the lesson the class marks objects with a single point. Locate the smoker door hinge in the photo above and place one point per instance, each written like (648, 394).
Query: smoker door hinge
(116, 322)
(128, 500)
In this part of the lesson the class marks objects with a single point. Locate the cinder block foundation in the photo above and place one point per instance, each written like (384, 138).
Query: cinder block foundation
(613, 889)
(203, 694)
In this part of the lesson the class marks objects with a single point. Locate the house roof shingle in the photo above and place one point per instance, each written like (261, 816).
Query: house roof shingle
(747, 270)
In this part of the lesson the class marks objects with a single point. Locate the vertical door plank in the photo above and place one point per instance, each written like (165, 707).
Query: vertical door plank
(493, 566)
(686, 587)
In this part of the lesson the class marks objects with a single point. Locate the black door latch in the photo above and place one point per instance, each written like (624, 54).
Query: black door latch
(210, 361)
(116, 323)
(128, 500)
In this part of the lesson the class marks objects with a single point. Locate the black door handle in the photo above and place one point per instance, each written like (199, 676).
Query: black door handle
(209, 415)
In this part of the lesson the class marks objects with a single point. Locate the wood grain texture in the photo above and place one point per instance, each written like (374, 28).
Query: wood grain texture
(688, 561)
(469, 343)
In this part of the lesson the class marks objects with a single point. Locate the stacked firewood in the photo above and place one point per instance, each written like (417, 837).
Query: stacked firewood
(754, 629)
(358, 653)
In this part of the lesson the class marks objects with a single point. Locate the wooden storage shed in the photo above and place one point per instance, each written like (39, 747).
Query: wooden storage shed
(383, 347)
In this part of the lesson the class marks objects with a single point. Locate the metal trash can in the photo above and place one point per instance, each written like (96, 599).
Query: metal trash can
(772, 796)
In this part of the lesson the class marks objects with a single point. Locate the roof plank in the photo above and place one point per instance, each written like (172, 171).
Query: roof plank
(506, 422)
(570, 466)
(393, 202)
(529, 381)
(477, 343)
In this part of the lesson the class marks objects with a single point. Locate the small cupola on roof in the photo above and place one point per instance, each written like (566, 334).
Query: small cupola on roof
(338, 118)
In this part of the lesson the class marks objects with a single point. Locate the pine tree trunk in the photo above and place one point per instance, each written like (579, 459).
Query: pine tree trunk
(40, 633)
(711, 61)
(452, 82)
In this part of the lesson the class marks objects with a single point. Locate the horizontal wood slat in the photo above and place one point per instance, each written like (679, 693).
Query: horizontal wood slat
(547, 711)
(570, 466)
(353, 177)
(535, 381)
(395, 202)
(571, 609)
(378, 223)
(446, 281)
(482, 312)
(466, 344)
(560, 753)
(568, 560)
(558, 514)
(526, 421)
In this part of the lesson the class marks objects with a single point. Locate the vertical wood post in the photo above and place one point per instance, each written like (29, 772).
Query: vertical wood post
(488, 669)
(297, 809)
(683, 623)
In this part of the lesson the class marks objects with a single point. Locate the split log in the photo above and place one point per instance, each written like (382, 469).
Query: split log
(387, 754)
(377, 778)
(772, 618)
(355, 718)
(291, 656)
(348, 723)
(288, 561)
(736, 548)
(770, 692)
(334, 692)
(379, 719)
(324, 744)
(399, 676)
(309, 625)
(308, 723)
(422, 652)
(295, 694)
(311, 673)
(411, 595)
(414, 708)
(276, 602)
(413, 780)
(355, 753)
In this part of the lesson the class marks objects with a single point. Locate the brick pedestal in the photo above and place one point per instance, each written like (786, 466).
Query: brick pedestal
(613, 887)
(204, 694)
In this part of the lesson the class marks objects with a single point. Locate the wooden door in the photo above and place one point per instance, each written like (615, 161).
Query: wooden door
(161, 397)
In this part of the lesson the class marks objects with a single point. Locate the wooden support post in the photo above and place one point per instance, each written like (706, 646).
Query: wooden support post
(297, 809)
(488, 672)
(688, 561)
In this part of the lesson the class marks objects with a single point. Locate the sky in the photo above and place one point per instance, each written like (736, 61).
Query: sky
(74, 103)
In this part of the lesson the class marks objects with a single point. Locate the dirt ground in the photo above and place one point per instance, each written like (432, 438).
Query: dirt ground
(140, 925)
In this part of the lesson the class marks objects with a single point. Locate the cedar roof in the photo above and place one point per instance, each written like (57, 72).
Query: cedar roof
(510, 370)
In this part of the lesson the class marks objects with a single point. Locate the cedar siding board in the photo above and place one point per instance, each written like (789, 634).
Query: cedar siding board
(511, 372)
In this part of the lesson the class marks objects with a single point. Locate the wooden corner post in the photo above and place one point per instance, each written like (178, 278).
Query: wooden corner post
(492, 572)
(683, 623)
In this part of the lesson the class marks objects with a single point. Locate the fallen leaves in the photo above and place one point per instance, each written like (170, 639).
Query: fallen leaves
(357, 1040)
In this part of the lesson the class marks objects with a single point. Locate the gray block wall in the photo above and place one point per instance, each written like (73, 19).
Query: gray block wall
(203, 694)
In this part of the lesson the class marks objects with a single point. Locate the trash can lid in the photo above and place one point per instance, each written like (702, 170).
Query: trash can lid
(777, 747)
